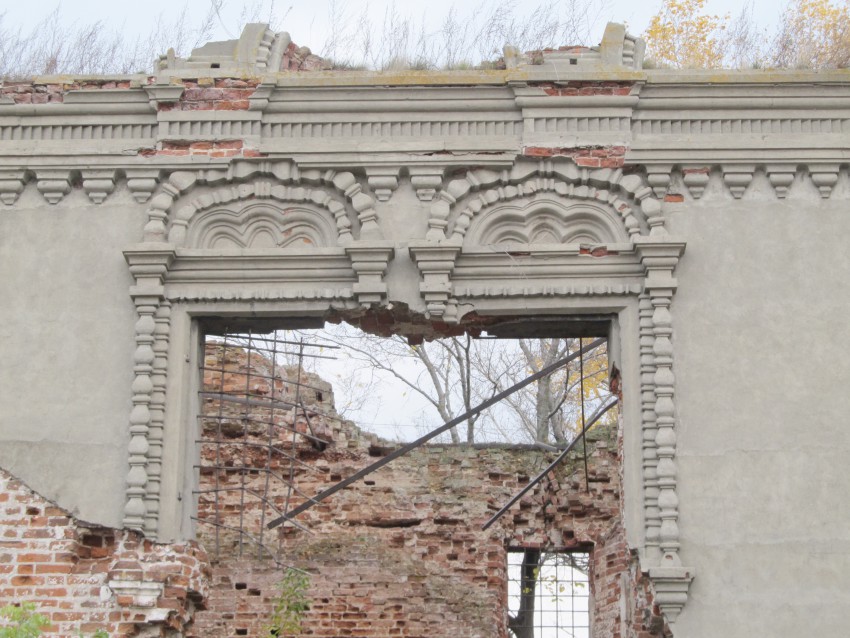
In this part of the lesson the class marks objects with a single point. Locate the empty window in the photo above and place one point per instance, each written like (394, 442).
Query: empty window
(548, 594)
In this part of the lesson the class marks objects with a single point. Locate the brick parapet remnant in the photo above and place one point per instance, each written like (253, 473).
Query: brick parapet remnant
(581, 88)
(34, 92)
(87, 577)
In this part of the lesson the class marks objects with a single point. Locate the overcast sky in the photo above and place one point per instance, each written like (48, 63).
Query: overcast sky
(307, 20)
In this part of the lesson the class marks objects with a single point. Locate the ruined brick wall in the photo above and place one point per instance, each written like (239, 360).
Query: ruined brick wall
(85, 578)
(400, 553)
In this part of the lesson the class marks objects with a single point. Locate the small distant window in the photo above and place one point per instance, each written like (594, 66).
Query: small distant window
(548, 594)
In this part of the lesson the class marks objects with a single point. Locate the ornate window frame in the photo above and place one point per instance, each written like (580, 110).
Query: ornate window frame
(618, 258)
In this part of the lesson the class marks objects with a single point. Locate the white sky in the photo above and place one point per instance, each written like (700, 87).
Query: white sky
(307, 20)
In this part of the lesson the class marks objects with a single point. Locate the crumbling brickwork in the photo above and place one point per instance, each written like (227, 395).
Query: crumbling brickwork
(400, 553)
(86, 578)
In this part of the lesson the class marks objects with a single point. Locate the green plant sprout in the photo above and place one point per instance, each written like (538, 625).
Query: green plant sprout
(290, 604)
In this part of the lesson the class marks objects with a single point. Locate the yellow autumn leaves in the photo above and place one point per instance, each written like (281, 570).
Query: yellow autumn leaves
(813, 34)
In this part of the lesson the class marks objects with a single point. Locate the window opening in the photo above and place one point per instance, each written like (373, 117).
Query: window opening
(262, 405)
(258, 402)
(548, 593)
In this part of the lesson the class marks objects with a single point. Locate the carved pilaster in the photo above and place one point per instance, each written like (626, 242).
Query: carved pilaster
(148, 265)
(650, 457)
(669, 578)
(435, 261)
(369, 260)
(162, 320)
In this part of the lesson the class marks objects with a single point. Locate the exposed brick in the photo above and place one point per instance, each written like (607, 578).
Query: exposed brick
(402, 555)
(65, 574)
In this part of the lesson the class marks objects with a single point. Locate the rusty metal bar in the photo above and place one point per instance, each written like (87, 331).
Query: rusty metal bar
(443, 428)
(583, 428)
(551, 466)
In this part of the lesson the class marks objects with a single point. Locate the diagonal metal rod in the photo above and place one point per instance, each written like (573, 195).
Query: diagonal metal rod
(583, 425)
(443, 428)
(552, 465)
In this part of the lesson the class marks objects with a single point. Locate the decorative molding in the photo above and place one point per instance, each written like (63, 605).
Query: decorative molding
(483, 188)
(825, 177)
(383, 181)
(738, 179)
(543, 219)
(142, 183)
(671, 586)
(251, 215)
(696, 178)
(426, 182)
(162, 94)
(369, 260)
(669, 578)
(652, 519)
(435, 261)
(148, 265)
(658, 178)
(159, 375)
(98, 184)
(301, 294)
(414, 127)
(755, 124)
(781, 177)
(54, 185)
(574, 289)
(738, 176)
(262, 274)
(201, 126)
(262, 223)
(290, 184)
(12, 184)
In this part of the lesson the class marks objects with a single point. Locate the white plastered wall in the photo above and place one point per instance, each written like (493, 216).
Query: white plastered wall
(66, 333)
(761, 364)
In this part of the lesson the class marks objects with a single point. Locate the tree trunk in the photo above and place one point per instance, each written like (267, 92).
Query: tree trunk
(522, 625)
